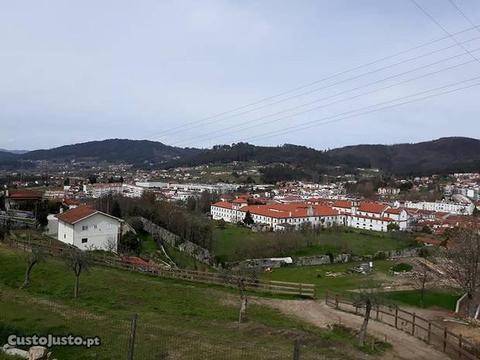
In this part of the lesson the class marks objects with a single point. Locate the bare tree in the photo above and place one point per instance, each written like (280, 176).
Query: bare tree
(32, 258)
(421, 279)
(463, 259)
(243, 300)
(77, 261)
(367, 299)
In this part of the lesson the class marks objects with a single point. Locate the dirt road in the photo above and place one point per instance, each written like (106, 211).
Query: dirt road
(405, 347)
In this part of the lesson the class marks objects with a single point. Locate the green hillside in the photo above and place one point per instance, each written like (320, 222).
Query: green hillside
(176, 320)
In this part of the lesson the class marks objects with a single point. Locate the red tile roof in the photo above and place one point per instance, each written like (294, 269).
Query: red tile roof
(347, 204)
(396, 211)
(24, 195)
(74, 215)
(372, 207)
(283, 211)
(223, 204)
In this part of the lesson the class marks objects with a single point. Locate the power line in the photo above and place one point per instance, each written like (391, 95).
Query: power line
(182, 126)
(462, 13)
(430, 16)
(255, 121)
(325, 87)
(331, 119)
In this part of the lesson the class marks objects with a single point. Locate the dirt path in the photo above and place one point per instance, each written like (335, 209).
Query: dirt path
(405, 347)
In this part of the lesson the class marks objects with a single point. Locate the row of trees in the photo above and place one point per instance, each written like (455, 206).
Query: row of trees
(189, 225)
(76, 261)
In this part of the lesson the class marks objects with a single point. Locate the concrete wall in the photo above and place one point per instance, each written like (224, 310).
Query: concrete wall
(161, 235)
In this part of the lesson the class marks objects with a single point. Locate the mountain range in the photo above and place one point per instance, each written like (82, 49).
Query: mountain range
(436, 156)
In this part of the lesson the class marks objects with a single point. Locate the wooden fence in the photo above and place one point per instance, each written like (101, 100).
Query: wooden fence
(216, 278)
(437, 336)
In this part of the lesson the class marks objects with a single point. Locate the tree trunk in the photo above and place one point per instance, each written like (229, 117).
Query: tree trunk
(26, 281)
(243, 310)
(77, 284)
(363, 330)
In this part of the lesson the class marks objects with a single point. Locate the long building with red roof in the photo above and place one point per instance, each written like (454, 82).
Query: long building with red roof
(361, 215)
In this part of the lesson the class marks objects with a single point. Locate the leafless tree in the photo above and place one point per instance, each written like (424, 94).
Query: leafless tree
(421, 279)
(463, 259)
(243, 300)
(77, 261)
(367, 299)
(32, 258)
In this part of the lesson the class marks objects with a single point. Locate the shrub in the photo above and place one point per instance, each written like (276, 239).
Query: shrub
(381, 255)
(402, 267)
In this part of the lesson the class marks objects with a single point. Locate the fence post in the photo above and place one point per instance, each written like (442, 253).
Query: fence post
(444, 339)
(131, 339)
(376, 316)
(296, 349)
(460, 344)
(396, 317)
(326, 297)
(413, 324)
(336, 301)
(429, 335)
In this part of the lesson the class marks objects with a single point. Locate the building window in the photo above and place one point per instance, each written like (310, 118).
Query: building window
(64, 236)
(84, 240)
(84, 227)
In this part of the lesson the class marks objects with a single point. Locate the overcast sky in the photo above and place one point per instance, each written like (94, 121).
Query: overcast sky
(73, 71)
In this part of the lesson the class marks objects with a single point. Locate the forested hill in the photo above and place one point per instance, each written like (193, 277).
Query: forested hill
(112, 150)
(437, 156)
(442, 155)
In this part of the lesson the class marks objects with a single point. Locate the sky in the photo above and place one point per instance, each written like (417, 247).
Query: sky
(200, 73)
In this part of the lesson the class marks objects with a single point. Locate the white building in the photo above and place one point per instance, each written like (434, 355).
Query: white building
(89, 229)
(442, 206)
(363, 215)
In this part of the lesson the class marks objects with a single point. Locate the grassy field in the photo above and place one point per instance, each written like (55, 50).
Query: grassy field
(433, 298)
(175, 319)
(317, 275)
(232, 242)
(148, 245)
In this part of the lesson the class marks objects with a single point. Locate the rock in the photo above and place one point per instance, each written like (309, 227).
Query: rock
(6, 346)
(16, 352)
(37, 353)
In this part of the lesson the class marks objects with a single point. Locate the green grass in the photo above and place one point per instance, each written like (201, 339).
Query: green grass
(237, 243)
(148, 245)
(178, 319)
(433, 298)
(183, 260)
(317, 275)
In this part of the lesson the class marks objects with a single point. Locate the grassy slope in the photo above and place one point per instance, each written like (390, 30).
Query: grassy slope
(433, 298)
(179, 319)
(356, 241)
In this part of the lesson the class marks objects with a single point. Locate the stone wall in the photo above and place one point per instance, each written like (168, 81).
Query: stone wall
(326, 259)
(162, 235)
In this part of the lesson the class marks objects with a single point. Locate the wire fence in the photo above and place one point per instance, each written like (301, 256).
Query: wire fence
(138, 338)
(214, 278)
(439, 337)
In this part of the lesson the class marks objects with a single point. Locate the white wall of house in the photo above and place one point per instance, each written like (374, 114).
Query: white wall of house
(98, 231)
(65, 232)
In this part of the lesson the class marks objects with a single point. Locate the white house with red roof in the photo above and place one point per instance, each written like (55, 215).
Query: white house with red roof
(89, 229)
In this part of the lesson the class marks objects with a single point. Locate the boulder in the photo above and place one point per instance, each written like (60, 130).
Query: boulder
(16, 352)
(37, 353)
